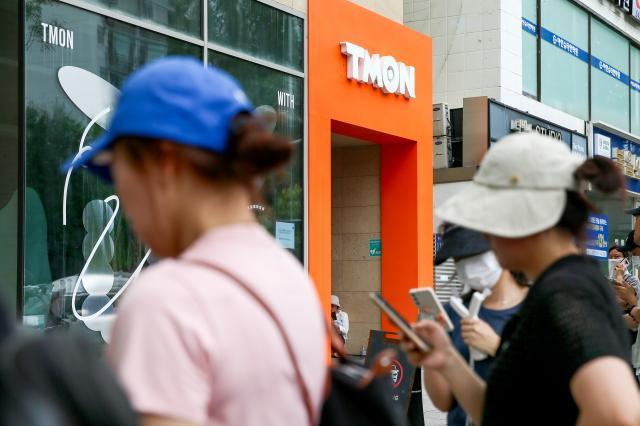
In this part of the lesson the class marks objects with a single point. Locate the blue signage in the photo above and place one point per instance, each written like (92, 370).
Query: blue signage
(621, 144)
(529, 27)
(583, 55)
(563, 44)
(598, 236)
(610, 70)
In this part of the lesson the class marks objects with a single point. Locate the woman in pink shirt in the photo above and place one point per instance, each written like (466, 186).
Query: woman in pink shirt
(191, 345)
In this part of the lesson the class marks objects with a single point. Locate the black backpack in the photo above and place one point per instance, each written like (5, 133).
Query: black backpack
(58, 380)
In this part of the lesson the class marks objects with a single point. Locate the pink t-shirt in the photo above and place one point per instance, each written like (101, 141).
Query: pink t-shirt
(191, 344)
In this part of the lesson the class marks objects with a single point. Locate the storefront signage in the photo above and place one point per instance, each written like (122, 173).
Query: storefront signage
(602, 146)
(286, 100)
(625, 5)
(624, 152)
(598, 236)
(635, 10)
(563, 44)
(57, 36)
(382, 72)
(523, 125)
(608, 69)
(579, 146)
(504, 120)
(529, 27)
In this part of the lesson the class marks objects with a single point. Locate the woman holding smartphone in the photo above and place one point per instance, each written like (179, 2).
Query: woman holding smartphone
(564, 357)
(477, 268)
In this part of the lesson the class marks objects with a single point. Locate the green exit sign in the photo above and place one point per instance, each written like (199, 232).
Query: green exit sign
(375, 248)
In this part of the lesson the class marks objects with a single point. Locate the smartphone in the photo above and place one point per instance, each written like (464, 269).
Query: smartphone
(612, 266)
(427, 301)
(400, 322)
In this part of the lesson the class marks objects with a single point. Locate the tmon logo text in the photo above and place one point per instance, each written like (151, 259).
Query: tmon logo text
(57, 36)
(383, 72)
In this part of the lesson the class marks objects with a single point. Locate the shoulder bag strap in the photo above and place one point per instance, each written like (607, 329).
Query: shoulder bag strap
(296, 366)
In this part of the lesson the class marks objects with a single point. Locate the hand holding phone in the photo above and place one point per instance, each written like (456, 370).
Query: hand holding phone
(427, 302)
(400, 322)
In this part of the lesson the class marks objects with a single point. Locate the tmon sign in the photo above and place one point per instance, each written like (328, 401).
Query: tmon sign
(382, 72)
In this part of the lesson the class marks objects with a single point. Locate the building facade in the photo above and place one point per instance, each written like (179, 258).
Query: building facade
(567, 68)
(360, 178)
(59, 266)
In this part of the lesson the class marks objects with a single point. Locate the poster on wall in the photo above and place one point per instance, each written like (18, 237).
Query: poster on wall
(286, 234)
(598, 236)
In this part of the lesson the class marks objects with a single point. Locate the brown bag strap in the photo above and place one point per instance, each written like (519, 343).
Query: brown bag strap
(296, 366)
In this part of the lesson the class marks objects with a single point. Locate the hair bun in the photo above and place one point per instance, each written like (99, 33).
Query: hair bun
(255, 150)
(602, 173)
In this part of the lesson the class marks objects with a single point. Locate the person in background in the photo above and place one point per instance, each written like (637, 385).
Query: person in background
(340, 318)
(626, 285)
(226, 329)
(478, 269)
(564, 357)
(627, 288)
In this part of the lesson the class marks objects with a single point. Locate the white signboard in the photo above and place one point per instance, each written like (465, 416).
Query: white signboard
(382, 72)
(602, 145)
(286, 234)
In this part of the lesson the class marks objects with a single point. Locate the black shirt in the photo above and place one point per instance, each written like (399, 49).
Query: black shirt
(569, 318)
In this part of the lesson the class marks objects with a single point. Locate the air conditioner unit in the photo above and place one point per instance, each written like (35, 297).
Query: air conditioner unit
(442, 154)
(441, 120)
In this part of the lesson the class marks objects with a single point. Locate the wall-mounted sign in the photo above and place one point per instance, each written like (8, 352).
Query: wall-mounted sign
(286, 234)
(622, 151)
(635, 10)
(382, 72)
(598, 236)
(625, 5)
(602, 145)
(57, 36)
(523, 125)
(375, 248)
(504, 120)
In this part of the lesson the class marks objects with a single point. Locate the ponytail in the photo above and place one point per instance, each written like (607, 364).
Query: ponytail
(605, 176)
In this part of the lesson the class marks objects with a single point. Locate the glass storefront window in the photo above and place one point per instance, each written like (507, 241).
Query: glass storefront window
(619, 223)
(281, 208)
(564, 62)
(257, 29)
(180, 15)
(635, 90)
(530, 49)
(75, 61)
(609, 76)
(9, 150)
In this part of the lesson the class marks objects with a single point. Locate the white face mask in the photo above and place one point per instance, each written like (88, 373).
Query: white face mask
(479, 272)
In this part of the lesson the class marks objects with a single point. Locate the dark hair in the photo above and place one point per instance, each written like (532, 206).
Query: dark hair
(605, 176)
(253, 151)
(612, 248)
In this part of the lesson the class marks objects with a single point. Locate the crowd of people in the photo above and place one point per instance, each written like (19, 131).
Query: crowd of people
(227, 329)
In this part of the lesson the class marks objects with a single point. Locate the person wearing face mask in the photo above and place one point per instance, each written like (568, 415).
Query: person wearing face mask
(479, 271)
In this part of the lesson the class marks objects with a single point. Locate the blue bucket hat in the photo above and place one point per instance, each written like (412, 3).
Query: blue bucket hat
(176, 99)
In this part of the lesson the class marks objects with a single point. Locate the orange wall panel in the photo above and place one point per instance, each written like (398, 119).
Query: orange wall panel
(402, 126)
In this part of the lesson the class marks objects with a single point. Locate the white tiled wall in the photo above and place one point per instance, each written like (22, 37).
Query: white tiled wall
(477, 46)
(299, 5)
(391, 9)
(477, 51)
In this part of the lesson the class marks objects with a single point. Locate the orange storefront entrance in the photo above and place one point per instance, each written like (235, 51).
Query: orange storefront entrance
(399, 125)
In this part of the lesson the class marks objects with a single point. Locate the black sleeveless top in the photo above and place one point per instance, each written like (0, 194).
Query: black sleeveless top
(570, 317)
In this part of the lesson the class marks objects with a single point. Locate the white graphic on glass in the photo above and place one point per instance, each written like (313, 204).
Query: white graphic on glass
(95, 98)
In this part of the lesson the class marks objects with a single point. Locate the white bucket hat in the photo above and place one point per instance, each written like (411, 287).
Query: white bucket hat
(335, 300)
(519, 189)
